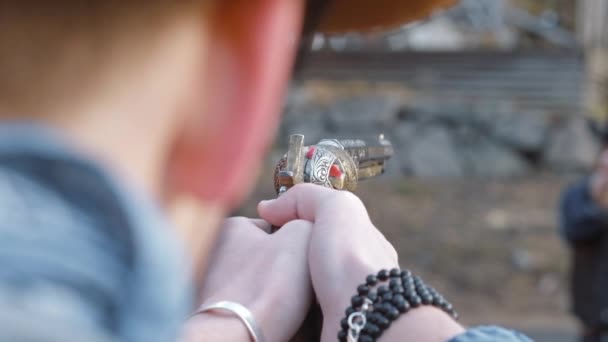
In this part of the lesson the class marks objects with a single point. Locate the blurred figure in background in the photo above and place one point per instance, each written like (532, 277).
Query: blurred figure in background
(584, 219)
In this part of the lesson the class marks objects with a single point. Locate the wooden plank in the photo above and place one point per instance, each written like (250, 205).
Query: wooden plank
(544, 80)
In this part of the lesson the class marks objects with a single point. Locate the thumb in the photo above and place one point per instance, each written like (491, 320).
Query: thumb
(315, 204)
(298, 203)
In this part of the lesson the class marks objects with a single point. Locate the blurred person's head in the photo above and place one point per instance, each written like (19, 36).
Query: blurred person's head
(179, 97)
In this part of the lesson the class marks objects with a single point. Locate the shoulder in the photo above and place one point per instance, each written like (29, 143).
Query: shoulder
(577, 191)
(43, 220)
(56, 256)
(75, 237)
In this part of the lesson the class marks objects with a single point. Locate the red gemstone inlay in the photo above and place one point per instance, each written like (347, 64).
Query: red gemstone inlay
(335, 171)
(310, 153)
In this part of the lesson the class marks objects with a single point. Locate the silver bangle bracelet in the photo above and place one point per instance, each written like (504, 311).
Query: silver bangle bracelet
(242, 313)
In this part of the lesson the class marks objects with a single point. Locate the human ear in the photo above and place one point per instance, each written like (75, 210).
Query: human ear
(251, 47)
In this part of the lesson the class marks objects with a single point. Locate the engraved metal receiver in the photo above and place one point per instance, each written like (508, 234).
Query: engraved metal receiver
(332, 163)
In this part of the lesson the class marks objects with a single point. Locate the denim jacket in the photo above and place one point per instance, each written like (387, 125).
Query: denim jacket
(86, 258)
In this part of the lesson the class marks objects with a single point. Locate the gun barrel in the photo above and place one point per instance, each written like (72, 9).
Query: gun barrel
(368, 150)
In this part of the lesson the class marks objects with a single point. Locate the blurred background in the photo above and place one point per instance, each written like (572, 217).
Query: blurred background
(487, 106)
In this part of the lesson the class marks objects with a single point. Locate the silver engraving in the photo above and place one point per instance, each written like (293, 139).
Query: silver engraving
(320, 165)
(331, 142)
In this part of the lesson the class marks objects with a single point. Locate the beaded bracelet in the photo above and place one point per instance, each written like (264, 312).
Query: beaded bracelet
(382, 299)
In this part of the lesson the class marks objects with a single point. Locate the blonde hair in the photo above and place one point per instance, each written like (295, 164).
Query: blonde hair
(54, 50)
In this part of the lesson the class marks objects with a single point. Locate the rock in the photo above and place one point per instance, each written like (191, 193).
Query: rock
(549, 285)
(404, 135)
(298, 96)
(502, 121)
(449, 137)
(483, 156)
(368, 115)
(393, 168)
(522, 260)
(432, 154)
(572, 146)
(433, 150)
(497, 219)
(489, 159)
(525, 131)
(309, 119)
(452, 111)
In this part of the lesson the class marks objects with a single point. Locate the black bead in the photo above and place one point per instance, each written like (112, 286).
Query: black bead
(423, 294)
(349, 311)
(398, 298)
(388, 307)
(406, 273)
(379, 308)
(420, 290)
(409, 295)
(395, 272)
(371, 329)
(344, 323)
(447, 307)
(382, 289)
(342, 336)
(392, 313)
(373, 296)
(365, 338)
(409, 291)
(383, 322)
(356, 301)
(398, 289)
(387, 297)
(371, 280)
(374, 317)
(415, 301)
(402, 305)
(440, 299)
(427, 299)
(363, 289)
(398, 301)
(383, 275)
(394, 282)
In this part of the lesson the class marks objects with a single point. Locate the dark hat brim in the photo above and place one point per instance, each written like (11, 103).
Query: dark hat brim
(342, 16)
